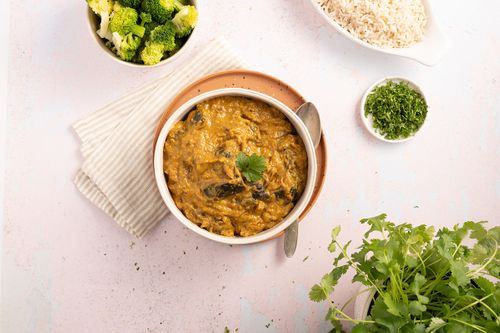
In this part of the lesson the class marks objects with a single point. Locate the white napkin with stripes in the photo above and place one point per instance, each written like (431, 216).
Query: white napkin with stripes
(117, 173)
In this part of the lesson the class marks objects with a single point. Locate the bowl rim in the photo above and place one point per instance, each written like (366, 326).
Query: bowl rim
(292, 117)
(406, 52)
(367, 121)
(101, 43)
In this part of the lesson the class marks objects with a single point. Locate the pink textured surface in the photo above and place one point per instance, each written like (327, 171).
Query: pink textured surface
(68, 268)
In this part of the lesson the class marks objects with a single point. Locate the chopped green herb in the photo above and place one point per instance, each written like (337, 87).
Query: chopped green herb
(306, 257)
(252, 167)
(397, 110)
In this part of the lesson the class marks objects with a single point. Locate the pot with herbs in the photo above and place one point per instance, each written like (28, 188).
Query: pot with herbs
(417, 279)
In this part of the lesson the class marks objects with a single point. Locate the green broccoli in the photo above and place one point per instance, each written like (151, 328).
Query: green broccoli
(117, 6)
(128, 47)
(161, 40)
(102, 8)
(185, 20)
(145, 18)
(130, 3)
(124, 21)
(152, 53)
(148, 23)
(165, 35)
(161, 10)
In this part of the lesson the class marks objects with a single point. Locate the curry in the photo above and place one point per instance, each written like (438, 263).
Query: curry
(200, 166)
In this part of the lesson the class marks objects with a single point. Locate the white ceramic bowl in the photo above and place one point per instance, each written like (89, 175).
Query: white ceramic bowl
(367, 121)
(428, 51)
(292, 117)
(363, 302)
(93, 24)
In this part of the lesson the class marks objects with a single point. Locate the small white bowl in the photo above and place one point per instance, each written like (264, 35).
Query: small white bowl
(301, 130)
(367, 121)
(427, 52)
(93, 24)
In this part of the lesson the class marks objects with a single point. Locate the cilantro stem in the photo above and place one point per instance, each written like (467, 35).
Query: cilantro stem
(353, 265)
(472, 304)
(351, 299)
(479, 328)
(348, 318)
(435, 282)
(356, 321)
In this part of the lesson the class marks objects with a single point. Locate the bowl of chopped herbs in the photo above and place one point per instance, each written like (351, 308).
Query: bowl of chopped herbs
(141, 33)
(393, 109)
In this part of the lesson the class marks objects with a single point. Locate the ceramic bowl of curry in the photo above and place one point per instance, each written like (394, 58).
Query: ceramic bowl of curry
(201, 179)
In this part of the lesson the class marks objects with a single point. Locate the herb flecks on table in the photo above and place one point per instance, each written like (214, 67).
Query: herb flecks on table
(252, 167)
(424, 281)
(397, 110)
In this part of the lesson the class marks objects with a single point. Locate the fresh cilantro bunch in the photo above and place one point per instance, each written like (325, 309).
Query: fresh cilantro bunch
(424, 281)
(252, 167)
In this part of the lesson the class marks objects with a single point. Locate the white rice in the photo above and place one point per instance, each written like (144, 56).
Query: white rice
(384, 23)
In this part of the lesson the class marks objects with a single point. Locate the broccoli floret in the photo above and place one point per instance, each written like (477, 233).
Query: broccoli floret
(128, 47)
(165, 35)
(161, 10)
(161, 40)
(117, 6)
(102, 8)
(152, 53)
(148, 23)
(117, 41)
(124, 21)
(145, 18)
(185, 20)
(130, 3)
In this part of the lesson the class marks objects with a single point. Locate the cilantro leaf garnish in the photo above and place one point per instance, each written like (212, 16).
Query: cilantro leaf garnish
(252, 167)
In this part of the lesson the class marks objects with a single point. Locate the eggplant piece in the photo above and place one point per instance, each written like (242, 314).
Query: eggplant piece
(280, 194)
(222, 152)
(222, 190)
(261, 195)
(198, 117)
(260, 192)
(295, 195)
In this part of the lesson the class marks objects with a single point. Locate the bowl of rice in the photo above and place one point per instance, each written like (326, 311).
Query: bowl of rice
(406, 28)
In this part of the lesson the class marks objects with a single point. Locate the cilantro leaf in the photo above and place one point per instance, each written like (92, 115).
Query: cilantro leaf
(360, 328)
(416, 308)
(317, 294)
(335, 232)
(252, 167)
(436, 323)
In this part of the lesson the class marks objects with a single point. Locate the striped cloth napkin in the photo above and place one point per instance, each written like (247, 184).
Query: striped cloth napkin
(117, 173)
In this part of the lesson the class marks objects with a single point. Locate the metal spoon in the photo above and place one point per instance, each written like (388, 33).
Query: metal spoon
(308, 113)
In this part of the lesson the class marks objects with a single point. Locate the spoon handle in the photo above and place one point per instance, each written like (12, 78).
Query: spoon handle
(291, 237)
